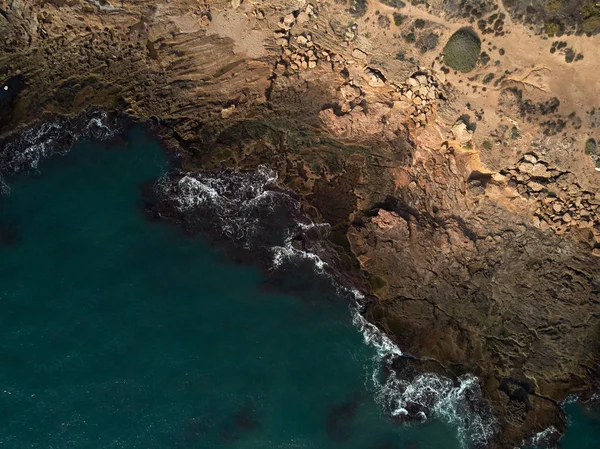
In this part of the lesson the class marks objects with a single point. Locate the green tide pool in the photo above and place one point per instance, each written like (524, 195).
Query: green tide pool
(121, 332)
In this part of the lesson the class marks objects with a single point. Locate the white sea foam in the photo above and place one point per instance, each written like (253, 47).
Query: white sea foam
(4, 187)
(242, 201)
(48, 138)
(541, 439)
(443, 398)
(288, 252)
(237, 199)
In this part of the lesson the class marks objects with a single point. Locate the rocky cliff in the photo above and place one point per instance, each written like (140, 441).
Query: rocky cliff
(465, 204)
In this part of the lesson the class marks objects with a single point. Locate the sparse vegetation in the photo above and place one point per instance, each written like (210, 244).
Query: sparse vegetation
(552, 28)
(398, 19)
(484, 58)
(591, 25)
(555, 5)
(358, 8)
(410, 38)
(488, 78)
(487, 144)
(384, 22)
(569, 55)
(590, 146)
(462, 50)
(394, 3)
(590, 12)
(427, 42)
(557, 17)
(515, 133)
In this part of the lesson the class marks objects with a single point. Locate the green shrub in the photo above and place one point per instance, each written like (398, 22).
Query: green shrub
(410, 38)
(462, 50)
(591, 24)
(358, 8)
(394, 3)
(590, 146)
(398, 19)
(487, 144)
(552, 28)
(515, 133)
(427, 42)
(488, 78)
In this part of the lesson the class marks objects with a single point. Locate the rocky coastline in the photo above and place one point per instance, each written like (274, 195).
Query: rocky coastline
(465, 206)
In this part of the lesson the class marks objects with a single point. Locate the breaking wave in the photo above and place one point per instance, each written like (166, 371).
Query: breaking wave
(409, 396)
(547, 438)
(48, 138)
(250, 209)
(247, 208)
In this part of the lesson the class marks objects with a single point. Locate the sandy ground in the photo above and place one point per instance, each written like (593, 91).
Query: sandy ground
(540, 74)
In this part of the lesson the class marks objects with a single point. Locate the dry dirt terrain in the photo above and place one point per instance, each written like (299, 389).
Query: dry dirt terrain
(465, 204)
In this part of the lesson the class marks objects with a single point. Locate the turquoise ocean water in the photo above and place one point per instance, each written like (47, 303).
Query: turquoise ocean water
(121, 332)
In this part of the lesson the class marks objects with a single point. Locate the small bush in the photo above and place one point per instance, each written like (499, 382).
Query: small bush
(410, 38)
(488, 78)
(590, 146)
(462, 50)
(358, 8)
(515, 133)
(487, 144)
(394, 3)
(428, 42)
(384, 22)
(484, 58)
(552, 28)
(591, 25)
(398, 19)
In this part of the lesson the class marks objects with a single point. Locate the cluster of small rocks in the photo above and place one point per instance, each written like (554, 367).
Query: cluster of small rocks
(301, 17)
(562, 203)
(350, 33)
(298, 51)
(422, 90)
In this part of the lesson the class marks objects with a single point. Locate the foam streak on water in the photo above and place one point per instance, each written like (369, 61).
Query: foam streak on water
(243, 202)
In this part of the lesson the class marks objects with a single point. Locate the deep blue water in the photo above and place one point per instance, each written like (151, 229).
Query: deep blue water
(120, 332)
